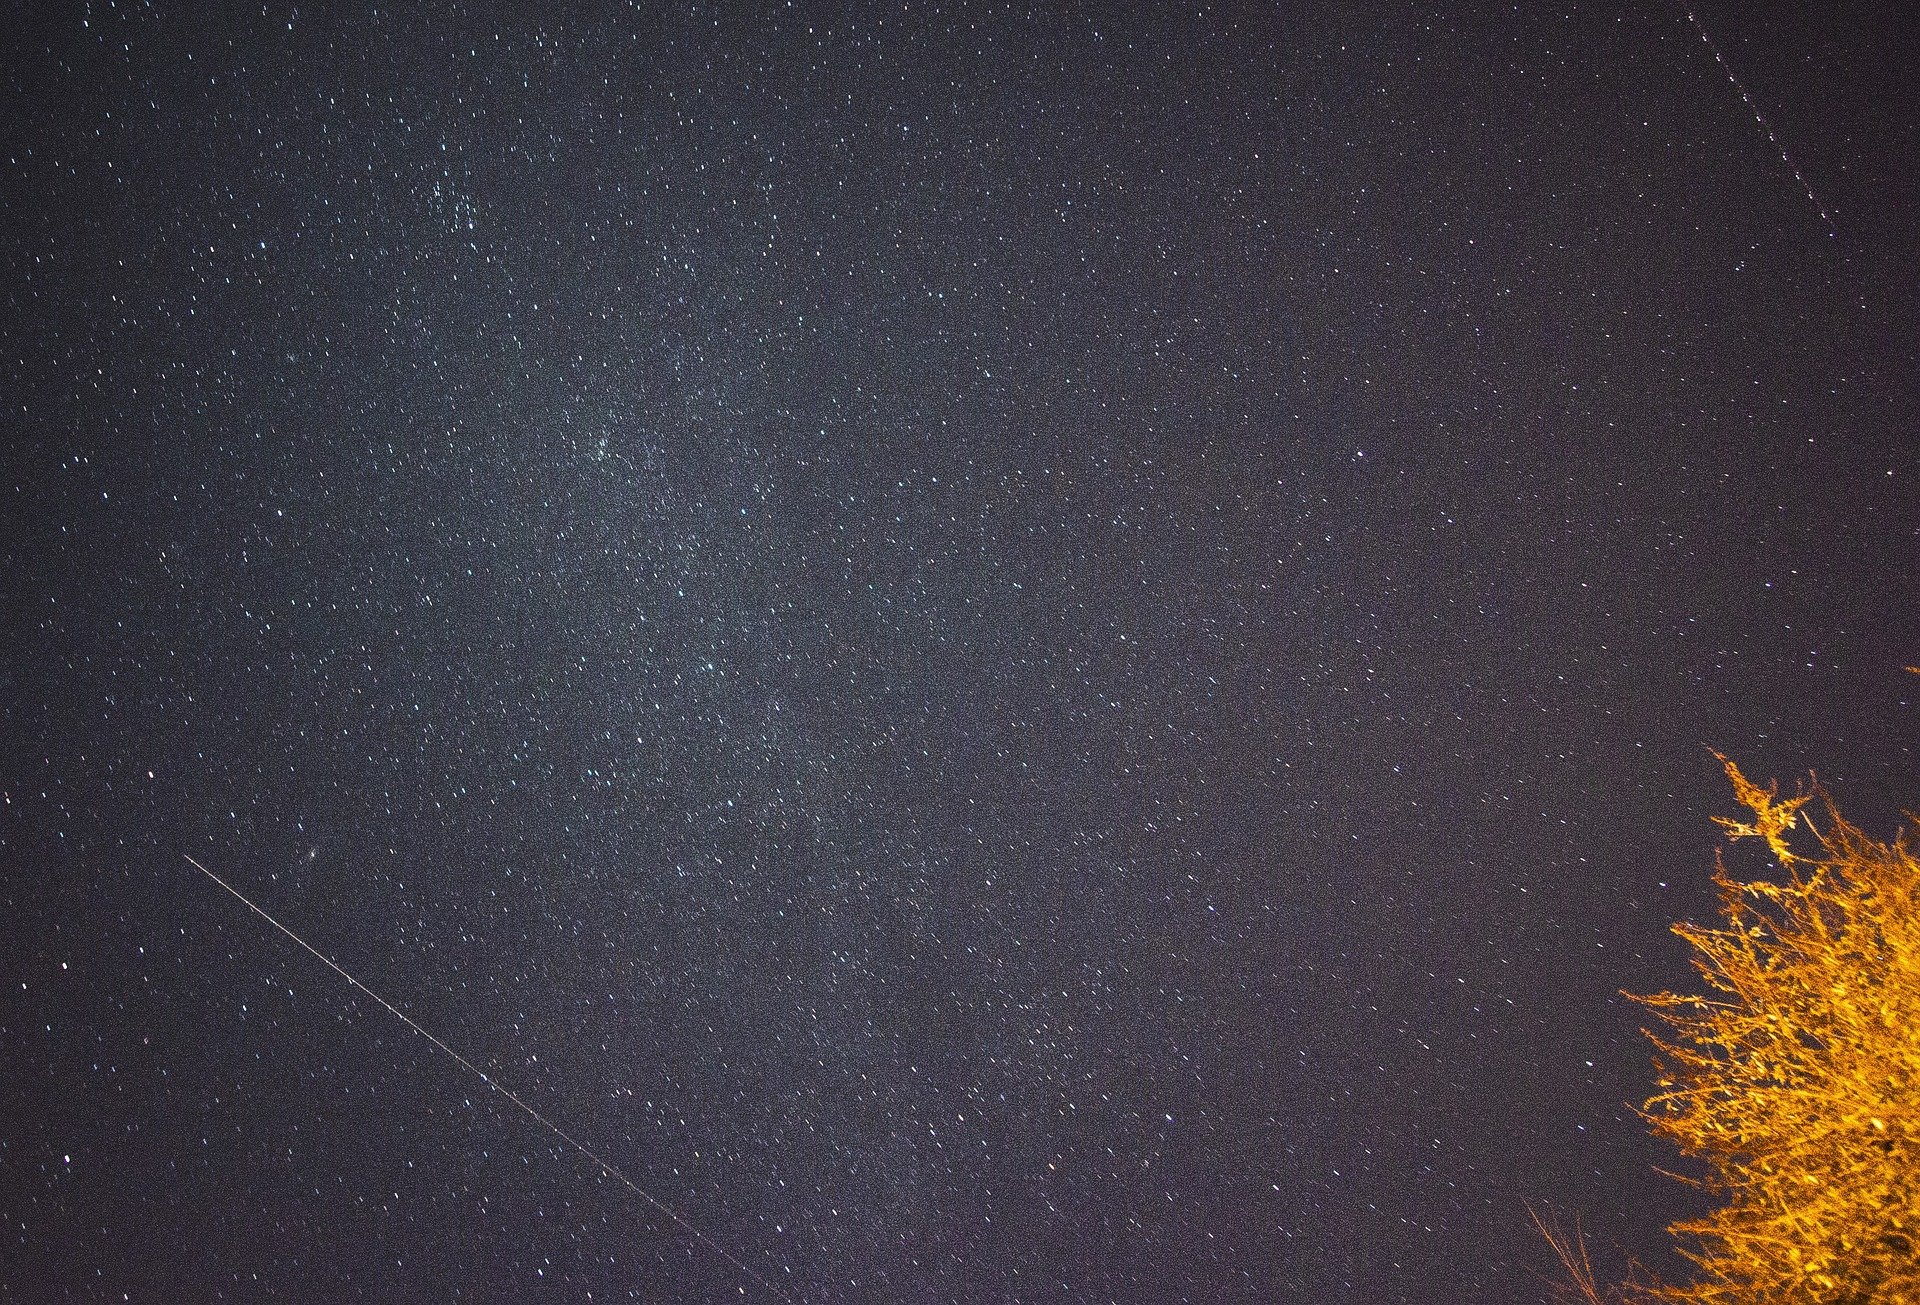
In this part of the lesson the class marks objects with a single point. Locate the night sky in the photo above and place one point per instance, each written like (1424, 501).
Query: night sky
(1011, 653)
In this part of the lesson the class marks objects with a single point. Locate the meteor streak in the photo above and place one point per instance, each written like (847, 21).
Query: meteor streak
(604, 1166)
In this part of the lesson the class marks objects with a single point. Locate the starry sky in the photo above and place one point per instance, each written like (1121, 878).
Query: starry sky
(1013, 653)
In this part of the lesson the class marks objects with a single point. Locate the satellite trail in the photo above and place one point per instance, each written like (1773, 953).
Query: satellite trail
(1761, 118)
(606, 1168)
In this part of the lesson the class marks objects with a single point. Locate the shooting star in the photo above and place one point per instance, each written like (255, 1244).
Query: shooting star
(604, 1166)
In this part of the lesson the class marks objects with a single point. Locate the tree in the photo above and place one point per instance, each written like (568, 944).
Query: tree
(1794, 1081)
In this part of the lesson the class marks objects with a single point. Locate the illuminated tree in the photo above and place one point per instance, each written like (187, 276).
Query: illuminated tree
(1795, 1080)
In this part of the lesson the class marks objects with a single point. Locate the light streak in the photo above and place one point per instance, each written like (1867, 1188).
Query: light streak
(604, 1166)
(1761, 118)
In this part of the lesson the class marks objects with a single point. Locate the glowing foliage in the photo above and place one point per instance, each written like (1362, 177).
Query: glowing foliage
(1795, 1080)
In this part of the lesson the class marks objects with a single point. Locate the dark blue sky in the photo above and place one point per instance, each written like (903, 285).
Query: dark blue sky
(1013, 654)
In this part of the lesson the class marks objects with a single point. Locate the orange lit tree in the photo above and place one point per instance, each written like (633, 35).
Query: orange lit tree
(1795, 1080)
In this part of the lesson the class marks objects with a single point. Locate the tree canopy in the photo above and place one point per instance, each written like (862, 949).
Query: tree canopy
(1794, 1079)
